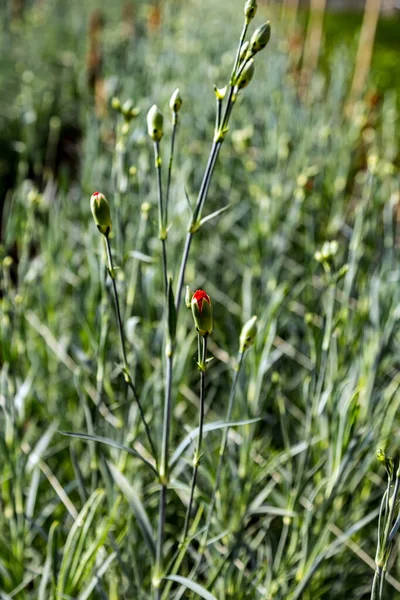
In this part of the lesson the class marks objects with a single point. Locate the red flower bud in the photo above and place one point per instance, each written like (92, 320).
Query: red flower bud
(202, 312)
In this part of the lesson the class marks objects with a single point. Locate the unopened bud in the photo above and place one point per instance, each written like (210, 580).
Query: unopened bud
(101, 212)
(250, 9)
(246, 75)
(243, 51)
(248, 334)
(260, 38)
(155, 122)
(188, 297)
(175, 102)
(202, 312)
(116, 103)
(219, 93)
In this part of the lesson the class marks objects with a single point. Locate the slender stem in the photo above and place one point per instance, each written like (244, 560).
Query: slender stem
(161, 213)
(381, 585)
(239, 48)
(205, 184)
(228, 417)
(376, 584)
(164, 475)
(126, 371)
(196, 459)
(171, 159)
(223, 445)
(196, 213)
(160, 541)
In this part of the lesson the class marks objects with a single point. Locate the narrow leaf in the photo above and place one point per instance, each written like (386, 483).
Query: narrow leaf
(209, 427)
(108, 442)
(191, 585)
(214, 214)
(136, 505)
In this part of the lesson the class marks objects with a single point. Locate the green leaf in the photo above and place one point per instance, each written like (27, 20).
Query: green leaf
(214, 214)
(136, 505)
(209, 427)
(109, 442)
(43, 594)
(191, 585)
(76, 539)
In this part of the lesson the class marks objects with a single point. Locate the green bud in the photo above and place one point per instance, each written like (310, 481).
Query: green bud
(116, 104)
(202, 312)
(219, 93)
(248, 334)
(175, 102)
(155, 122)
(246, 75)
(188, 297)
(260, 38)
(243, 51)
(101, 212)
(250, 9)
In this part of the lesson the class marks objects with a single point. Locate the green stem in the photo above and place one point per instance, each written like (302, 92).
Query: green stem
(376, 584)
(164, 475)
(196, 214)
(228, 417)
(205, 184)
(161, 214)
(196, 459)
(223, 445)
(126, 371)
(171, 159)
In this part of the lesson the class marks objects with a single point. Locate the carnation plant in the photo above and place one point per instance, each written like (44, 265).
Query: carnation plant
(167, 567)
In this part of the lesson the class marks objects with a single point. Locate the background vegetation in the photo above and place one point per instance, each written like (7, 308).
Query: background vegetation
(296, 515)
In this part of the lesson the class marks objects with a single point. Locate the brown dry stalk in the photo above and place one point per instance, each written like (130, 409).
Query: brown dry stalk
(364, 52)
(312, 45)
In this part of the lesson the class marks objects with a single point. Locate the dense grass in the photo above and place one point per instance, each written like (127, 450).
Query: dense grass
(296, 513)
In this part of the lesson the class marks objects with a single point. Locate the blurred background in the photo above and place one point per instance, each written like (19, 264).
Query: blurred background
(58, 58)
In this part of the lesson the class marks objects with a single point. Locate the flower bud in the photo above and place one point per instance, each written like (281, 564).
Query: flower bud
(101, 212)
(260, 38)
(219, 93)
(246, 75)
(175, 102)
(188, 297)
(202, 312)
(248, 334)
(250, 9)
(155, 122)
(116, 103)
(243, 51)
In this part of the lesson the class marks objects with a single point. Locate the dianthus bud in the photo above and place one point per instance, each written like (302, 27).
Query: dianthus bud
(260, 38)
(246, 75)
(175, 102)
(202, 312)
(188, 297)
(219, 93)
(155, 122)
(248, 334)
(116, 103)
(243, 51)
(250, 9)
(101, 212)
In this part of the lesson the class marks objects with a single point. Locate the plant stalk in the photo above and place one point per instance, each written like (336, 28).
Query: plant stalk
(161, 214)
(126, 371)
(196, 459)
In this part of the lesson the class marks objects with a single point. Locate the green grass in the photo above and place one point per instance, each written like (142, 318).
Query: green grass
(296, 515)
